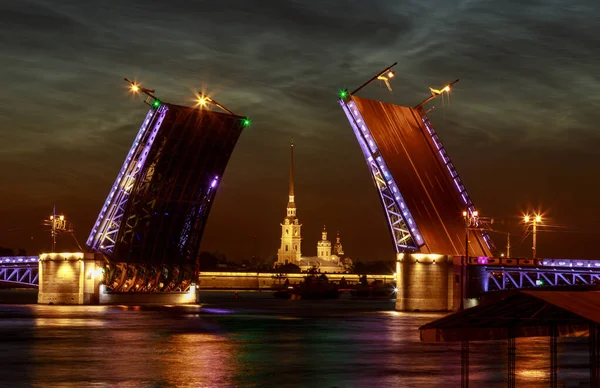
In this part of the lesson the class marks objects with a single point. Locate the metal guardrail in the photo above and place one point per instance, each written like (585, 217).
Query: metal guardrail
(19, 270)
(507, 278)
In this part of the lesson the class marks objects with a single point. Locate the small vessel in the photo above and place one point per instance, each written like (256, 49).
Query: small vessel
(376, 290)
(312, 288)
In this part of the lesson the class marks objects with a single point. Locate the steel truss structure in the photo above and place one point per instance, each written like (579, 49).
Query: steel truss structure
(104, 233)
(404, 230)
(152, 221)
(507, 278)
(21, 270)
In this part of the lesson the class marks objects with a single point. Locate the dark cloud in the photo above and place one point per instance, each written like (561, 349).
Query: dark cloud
(520, 126)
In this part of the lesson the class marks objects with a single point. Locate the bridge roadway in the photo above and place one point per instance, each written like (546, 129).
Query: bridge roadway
(496, 274)
(426, 179)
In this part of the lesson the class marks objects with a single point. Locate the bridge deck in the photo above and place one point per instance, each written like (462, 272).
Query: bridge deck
(422, 177)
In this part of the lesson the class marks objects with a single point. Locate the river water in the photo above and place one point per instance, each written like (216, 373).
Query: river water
(254, 341)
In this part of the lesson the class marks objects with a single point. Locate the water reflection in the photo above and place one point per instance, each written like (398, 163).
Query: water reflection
(195, 360)
(258, 341)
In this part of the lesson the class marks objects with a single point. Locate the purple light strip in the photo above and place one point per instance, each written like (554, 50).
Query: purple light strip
(18, 259)
(546, 262)
(570, 262)
(121, 174)
(446, 159)
(462, 191)
(98, 233)
(210, 192)
(363, 135)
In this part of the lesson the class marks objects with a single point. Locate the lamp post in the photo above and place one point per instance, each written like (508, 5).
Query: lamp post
(470, 218)
(534, 221)
(383, 75)
(57, 223)
(436, 92)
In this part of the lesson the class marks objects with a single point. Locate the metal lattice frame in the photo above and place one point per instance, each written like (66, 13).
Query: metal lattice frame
(104, 233)
(397, 225)
(25, 276)
(22, 270)
(194, 218)
(402, 226)
(507, 278)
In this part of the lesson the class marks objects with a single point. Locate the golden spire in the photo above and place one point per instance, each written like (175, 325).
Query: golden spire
(292, 171)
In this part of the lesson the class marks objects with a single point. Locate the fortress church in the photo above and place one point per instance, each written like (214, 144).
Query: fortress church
(327, 259)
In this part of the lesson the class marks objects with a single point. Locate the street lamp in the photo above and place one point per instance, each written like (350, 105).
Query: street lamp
(384, 75)
(533, 221)
(203, 100)
(135, 88)
(57, 223)
(436, 92)
(471, 219)
(206, 102)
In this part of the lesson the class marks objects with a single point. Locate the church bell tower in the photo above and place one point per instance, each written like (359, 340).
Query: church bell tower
(324, 246)
(289, 252)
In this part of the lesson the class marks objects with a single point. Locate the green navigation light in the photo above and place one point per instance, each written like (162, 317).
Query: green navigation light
(246, 122)
(156, 103)
(343, 93)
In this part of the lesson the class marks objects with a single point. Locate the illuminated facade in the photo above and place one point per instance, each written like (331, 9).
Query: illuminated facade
(324, 246)
(326, 260)
(153, 219)
(291, 240)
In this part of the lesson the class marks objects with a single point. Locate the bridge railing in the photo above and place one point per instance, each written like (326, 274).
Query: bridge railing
(506, 273)
(19, 270)
(507, 278)
(6, 260)
(526, 262)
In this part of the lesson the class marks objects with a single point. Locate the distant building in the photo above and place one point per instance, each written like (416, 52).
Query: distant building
(291, 235)
(325, 261)
(291, 240)
(324, 246)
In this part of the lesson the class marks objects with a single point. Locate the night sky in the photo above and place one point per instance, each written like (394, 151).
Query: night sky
(520, 126)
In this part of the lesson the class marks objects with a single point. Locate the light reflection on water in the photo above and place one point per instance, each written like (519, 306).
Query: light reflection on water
(254, 341)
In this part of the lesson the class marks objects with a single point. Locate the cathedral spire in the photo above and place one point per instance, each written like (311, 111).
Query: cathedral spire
(291, 238)
(291, 206)
(292, 171)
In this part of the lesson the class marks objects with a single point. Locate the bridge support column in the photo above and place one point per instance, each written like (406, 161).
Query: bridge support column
(68, 278)
(423, 282)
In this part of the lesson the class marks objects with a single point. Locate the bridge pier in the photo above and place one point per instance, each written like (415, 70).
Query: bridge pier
(425, 282)
(68, 278)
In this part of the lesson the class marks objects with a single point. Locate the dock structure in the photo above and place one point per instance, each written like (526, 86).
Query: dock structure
(552, 314)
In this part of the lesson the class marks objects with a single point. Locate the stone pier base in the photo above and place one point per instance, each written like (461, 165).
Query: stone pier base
(68, 278)
(425, 282)
(148, 298)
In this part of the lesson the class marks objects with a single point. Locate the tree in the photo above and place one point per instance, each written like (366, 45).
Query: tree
(288, 268)
(6, 251)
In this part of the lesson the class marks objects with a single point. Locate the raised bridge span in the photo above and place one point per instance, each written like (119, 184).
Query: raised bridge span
(444, 255)
(151, 224)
